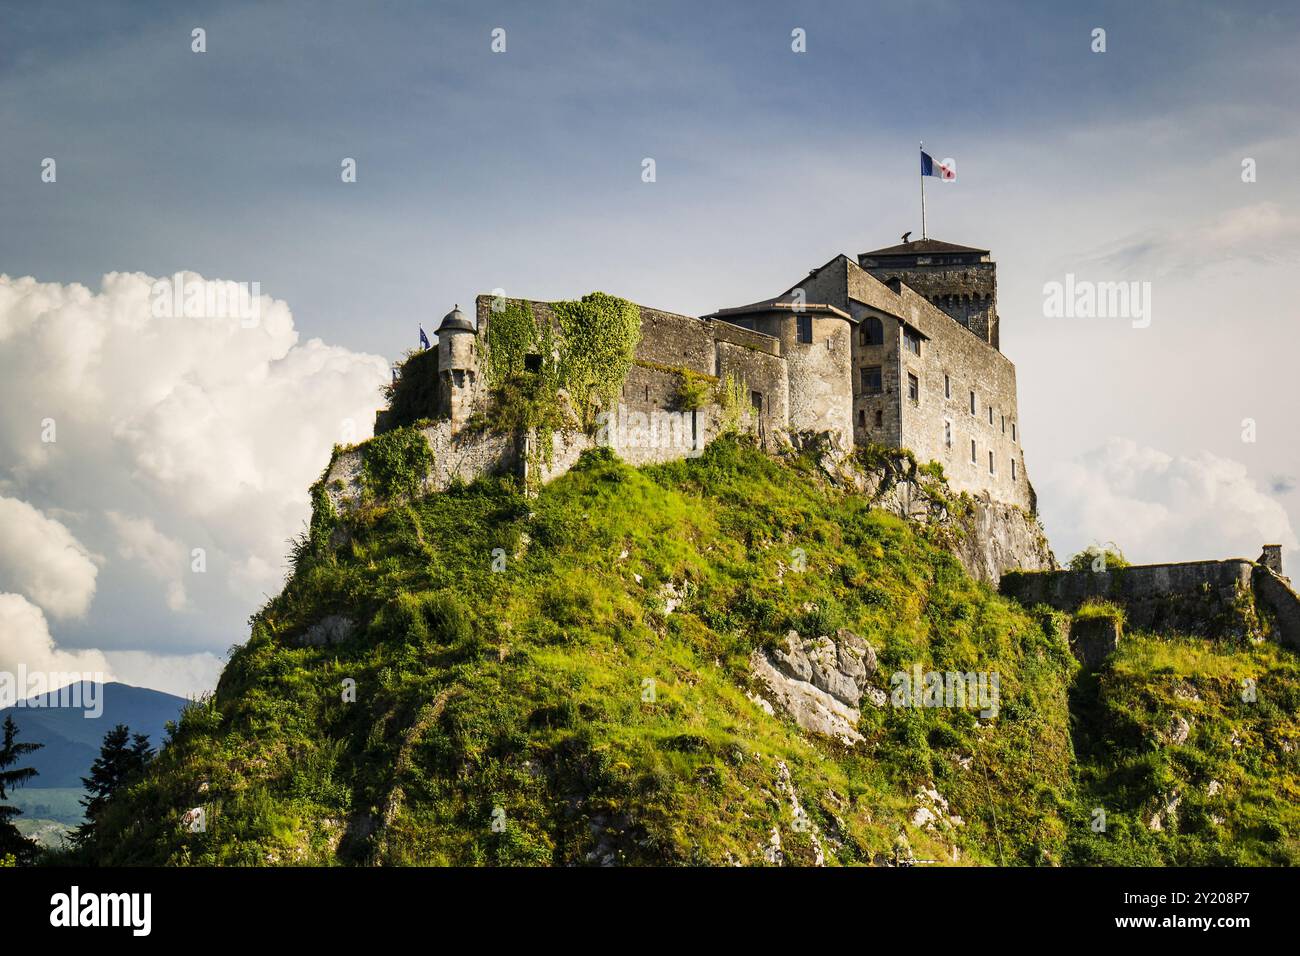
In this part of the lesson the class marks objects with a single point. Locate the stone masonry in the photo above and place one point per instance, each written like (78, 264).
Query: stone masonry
(840, 354)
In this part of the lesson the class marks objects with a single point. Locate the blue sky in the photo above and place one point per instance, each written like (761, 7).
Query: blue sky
(522, 170)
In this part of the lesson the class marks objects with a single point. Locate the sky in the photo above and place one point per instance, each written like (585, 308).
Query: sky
(184, 442)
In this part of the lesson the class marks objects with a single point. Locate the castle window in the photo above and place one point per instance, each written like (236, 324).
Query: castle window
(913, 388)
(1013, 469)
(1013, 431)
(990, 414)
(947, 387)
(804, 328)
(1004, 424)
(991, 471)
(871, 382)
(871, 332)
(912, 341)
(972, 402)
(862, 418)
(532, 362)
(880, 418)
(972, 451)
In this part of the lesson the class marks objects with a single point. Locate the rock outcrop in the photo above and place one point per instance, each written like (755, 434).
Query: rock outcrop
(988, 537)
(820, 681)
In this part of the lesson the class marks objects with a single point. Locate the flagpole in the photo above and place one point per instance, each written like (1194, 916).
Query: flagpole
(922, 170)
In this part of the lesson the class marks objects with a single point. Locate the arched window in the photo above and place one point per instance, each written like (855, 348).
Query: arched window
(871, 332)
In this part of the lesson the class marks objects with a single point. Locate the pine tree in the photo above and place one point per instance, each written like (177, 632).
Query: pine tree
(13, 843)
(122, 758)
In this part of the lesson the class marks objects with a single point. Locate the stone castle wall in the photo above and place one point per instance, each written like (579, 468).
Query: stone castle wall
(1209, 598)
(939, 425)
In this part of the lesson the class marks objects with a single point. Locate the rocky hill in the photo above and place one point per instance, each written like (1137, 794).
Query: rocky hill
(730, 659)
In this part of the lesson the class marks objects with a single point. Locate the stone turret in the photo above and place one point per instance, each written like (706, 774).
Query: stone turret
(457, 367)
(1271, 558)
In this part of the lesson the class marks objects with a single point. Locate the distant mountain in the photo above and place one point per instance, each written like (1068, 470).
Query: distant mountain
(72, 739)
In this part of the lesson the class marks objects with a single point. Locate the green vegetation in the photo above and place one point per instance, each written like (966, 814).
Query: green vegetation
(395, 463)
(694, 390)
(1095, 608)
(732, 396)
(1099, 558)
(1233, 783)
(414, 396)
(516, 691)
(14, 847)
(579, 362)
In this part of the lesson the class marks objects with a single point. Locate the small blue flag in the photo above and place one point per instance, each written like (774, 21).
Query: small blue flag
(424, 339)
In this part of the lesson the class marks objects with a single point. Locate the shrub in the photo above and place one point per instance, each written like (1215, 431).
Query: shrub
(1099, 558)
(396, 463)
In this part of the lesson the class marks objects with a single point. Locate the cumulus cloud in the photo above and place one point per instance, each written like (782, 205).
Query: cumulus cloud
(28, 647)
(162, 430)
(40, 558)
(1159, 507)
(154, 552)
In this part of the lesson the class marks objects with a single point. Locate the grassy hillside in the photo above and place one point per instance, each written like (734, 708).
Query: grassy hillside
(563, 680)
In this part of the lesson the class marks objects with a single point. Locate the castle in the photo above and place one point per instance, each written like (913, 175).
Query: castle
(900, 348)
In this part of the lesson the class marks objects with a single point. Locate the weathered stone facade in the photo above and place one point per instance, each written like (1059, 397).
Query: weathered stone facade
(842, 354)
(913, 376)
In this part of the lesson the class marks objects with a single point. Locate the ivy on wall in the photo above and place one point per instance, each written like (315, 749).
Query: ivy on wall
(396, 463)
(732, 396)
(580, 362)
(694, 390)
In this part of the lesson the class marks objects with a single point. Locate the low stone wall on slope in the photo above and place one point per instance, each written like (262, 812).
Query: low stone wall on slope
(1209, 598)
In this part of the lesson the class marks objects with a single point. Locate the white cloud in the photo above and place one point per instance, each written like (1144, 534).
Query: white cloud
(27, 645)
(185, 675)
(171, 433)
(1159, 507)
(159, 555)
(40, 558)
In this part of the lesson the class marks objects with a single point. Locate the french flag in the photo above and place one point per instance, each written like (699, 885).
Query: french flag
(930, 168)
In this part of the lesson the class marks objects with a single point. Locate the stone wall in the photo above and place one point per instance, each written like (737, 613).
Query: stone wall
(1209, 598)
(952, 364)
(966, 292)
(462, 456)
(1281, 602)
(938, 426)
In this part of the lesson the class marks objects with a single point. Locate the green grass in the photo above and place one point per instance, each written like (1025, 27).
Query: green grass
(501, 716)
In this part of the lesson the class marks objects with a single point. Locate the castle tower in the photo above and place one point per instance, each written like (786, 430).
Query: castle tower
(457, 367)
(960, 280)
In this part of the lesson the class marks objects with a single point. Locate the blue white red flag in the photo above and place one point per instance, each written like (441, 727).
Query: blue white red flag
(930, 168)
